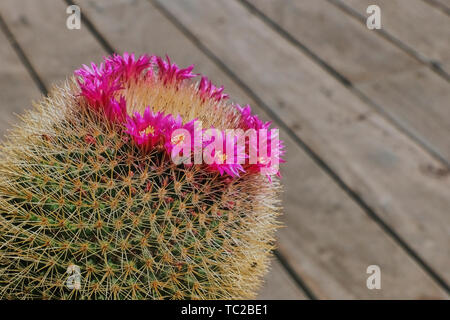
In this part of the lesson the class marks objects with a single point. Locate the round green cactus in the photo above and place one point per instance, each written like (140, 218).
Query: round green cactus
(93, 208)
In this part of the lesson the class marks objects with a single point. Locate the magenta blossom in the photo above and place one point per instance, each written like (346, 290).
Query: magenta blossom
(128, 67)
(225, 154)
(251, 121)
(174, 137)
(116, 66)
(148, 130)
(264, 160)
(91, 73)
(171, 73)
(99, 93)
(98, 90)
(104, 88)
(209, 91)
(116, 111)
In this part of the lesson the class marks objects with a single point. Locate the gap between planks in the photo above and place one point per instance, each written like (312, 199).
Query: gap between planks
(22, 56)
(17, 86)
(441, 5)
(431, 63)
(394, 120)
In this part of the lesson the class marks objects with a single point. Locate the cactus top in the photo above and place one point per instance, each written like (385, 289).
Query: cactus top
(131, 91)
(94, 205)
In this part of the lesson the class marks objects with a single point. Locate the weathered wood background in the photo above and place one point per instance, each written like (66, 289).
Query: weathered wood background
(365, 116)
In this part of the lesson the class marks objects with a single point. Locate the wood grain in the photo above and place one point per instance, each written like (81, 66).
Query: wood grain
(422, 27)
(385, 168)
(54, 50)
(278, 285)
(327, 239)
(415, 97)
(342, 42)
(445, 4)
(17, 87)
(418, 98)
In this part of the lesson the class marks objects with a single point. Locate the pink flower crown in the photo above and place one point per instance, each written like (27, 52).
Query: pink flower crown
(101, 87)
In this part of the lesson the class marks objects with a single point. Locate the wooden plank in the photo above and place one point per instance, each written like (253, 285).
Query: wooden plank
(373, 158)
(342, 42)
(47, 39)
(446, 67)
(420, 99)
(327, 239)
(422, 27)
(17, 87)
(43, 25)
(278, 285)
(443, 4)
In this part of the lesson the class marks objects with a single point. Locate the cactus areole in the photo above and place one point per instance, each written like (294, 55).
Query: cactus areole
(131, 180)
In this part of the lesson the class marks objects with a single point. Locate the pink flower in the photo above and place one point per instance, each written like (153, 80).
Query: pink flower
(153, 128)
(98, 90)
(101, 87)
(91, 73)
(117, 66)
(173, 137)
(250, 121)
(171, 73)
(128, 67)
(147, 130)
(99, 94)
(116, 111)
(223, 160)
(99, 84)
(209, 91)
(268, 158)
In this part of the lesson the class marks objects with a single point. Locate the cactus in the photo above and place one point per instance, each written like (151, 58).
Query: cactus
(92, 207)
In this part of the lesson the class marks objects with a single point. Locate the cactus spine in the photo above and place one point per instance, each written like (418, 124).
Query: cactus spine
(76, 191)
